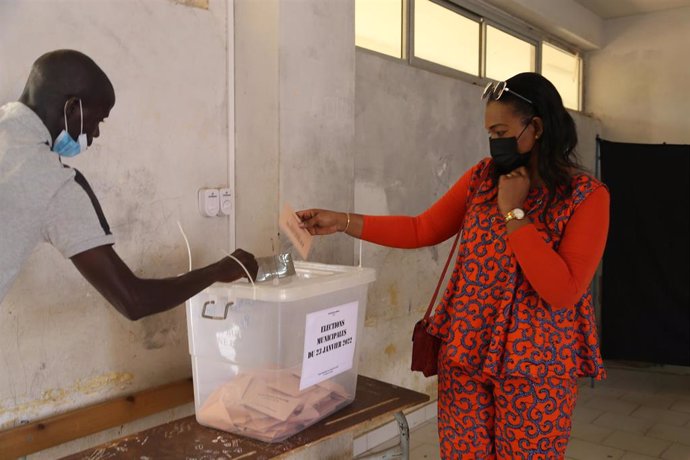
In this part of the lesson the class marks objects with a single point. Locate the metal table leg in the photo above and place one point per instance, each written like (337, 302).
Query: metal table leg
(400, 451)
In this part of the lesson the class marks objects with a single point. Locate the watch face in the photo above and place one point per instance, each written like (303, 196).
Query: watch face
(518, 213)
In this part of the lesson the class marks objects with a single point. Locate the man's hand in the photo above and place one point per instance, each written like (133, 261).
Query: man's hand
(230, 270)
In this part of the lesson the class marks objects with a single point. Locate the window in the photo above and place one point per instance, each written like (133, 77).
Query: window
(378, 26)
(507, 55)
(563, 70)
(446, 37)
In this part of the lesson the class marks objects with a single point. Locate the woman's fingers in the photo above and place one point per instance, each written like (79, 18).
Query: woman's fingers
(306, 214)
(308, 218)
(318, 221)
(521, 171)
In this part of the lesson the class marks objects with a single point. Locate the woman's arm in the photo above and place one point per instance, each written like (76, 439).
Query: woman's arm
(438, 223)
(562, 277)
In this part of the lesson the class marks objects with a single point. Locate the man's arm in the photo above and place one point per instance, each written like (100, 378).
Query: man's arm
(136, 297)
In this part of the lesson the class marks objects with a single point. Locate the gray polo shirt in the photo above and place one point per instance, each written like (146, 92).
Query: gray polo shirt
(40, 199)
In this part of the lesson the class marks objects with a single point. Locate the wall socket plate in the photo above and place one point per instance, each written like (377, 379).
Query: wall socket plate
(225, 201)
(209, 202)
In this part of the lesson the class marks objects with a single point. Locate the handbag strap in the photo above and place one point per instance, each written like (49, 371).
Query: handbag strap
(443, 275)
(452, 250)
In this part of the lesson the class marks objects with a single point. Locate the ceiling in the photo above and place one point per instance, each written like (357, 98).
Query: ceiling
(608, 9)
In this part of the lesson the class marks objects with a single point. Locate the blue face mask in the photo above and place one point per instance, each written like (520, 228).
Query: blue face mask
(64, 144)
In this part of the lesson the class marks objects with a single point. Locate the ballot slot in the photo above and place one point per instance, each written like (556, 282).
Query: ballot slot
(284, 356)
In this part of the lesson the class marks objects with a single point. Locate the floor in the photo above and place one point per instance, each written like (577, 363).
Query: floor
(640, 412)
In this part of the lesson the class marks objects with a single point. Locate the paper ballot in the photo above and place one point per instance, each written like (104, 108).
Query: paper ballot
(267, 405)
(299, 237)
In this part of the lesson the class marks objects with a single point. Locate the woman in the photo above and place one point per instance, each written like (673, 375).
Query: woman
(516, 321)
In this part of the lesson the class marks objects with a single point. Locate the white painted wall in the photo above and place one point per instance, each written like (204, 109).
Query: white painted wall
(637, 83)
(61, 344)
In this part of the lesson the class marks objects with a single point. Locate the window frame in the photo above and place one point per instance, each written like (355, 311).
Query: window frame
(525, 38)
(580, 76)
(403, 36)
(435, 67)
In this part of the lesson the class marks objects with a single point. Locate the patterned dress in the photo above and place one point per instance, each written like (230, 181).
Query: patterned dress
(517, 318)
(492, 319)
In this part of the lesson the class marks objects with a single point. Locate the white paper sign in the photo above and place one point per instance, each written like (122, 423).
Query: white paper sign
(329, 343)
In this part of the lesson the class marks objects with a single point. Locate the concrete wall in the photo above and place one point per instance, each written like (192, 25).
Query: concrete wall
(416, 133)
(295, 117)
(61, 344)
(257, 124)
(636, 84)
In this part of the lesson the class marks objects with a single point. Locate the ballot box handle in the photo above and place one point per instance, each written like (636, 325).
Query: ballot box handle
(210, 316)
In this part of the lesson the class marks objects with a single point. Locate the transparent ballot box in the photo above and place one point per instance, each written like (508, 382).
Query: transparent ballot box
(270, 360)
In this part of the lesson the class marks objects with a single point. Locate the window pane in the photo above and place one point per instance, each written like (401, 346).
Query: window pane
(507, 55)
(446, 37)
(378, 26)
(563, 70)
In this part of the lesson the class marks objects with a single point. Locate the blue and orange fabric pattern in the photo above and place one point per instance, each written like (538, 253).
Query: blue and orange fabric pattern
(492, 318)
(516, 319)
(514, 418)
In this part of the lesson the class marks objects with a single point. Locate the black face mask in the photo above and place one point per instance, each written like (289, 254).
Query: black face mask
(504, 151)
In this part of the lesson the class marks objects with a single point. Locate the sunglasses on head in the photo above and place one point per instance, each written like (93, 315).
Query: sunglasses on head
(495, 90)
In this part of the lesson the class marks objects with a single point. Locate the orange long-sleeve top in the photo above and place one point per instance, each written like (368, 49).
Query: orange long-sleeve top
(559, 276)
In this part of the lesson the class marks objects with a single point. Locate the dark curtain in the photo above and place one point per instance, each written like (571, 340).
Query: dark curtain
(646, 269)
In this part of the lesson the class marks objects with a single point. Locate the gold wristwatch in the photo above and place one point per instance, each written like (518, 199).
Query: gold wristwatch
(517, 214)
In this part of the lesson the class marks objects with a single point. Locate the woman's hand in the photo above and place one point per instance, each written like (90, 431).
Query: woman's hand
(322, 222)
(512, 190)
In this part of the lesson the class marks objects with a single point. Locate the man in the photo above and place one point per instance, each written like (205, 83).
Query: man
(65, 99)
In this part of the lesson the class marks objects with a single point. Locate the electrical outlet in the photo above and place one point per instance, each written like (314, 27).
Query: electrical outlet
(209, 202)
(225, 201)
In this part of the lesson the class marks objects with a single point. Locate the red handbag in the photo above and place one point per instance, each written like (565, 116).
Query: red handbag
(424, 345)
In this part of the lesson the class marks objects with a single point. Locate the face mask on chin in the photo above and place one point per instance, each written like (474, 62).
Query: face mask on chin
(504, 151)
(64, 144)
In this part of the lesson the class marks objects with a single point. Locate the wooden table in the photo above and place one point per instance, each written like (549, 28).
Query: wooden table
(374, 403)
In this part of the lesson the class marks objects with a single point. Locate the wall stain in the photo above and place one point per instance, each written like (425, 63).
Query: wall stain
(156, 339)
(159, 334)
(57, 396)
(393, 294)
(203, 4)
(107, 380)
(390, 350)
